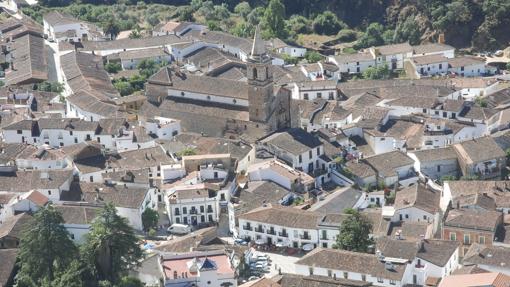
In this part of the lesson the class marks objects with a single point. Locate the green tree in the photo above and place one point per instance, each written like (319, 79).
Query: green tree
(371, 37)
(150, 219)
(111, 27)
(243, 9)
(346, 35)
(408, 31)
(123, 87)
(196, 4)
(327, 23)
(255, 15)
(152, 19)
(135, 34)
(111, 246)
(77, 274)
(290, 60)
(273, 21)
(46, 86)
(299, 25)
(113, 67)
(147, 67)
(130, 282)
(313, 56)
(377, 73)
(184, 13)
(354, 232)
(242, 29)
(46, 248)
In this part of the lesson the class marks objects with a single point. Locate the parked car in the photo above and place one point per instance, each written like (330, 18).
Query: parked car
(179, 229)
(240, 241)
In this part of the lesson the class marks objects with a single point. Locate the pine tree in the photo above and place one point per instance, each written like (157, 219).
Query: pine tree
(46, 249)
(111, 247)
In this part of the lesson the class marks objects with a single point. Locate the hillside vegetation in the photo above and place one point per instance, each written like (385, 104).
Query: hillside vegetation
(477, 24)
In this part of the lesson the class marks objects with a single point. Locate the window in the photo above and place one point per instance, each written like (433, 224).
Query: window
(363, 277)
(318, 151)
(346, 275)
(305, 96)
(300, 159)
(182, 94)
(201, 208)
(91, 178)
(424, 217)
(445, 114)
(184, 210)
(19, 132)
(424, 111)
(331, 95)
(254, 73)
(176, 211)
(380, 280)
(467, 239)
(72, 236)
(70, 133)
(310, 270)
(438, 168)
(382, 139)
(49, 192)
(319, 95)
(392, 282)
(436, 113)
(310, 154)
(453, 236)
(330, 273)
(440, 66)
(481, 239)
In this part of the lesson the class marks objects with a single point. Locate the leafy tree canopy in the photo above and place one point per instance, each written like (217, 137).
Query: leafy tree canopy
(354, 233)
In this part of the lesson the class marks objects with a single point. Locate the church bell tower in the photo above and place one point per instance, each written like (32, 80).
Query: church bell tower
(260, 81)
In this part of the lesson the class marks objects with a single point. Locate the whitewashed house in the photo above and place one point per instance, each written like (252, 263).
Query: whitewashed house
(59, 27)
(436, 163)
(467, 66)
(284, 225)
(353, 63)
(296, 147)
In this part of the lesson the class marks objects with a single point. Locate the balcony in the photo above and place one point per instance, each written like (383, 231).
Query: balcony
(247, 227)
(324, 237)
(193, 211)
(209, 210)
(283, 234)
(305, 236)
(271, 232)
(259, 229)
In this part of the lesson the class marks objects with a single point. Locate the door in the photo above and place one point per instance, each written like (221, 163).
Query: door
(401, 218)
(269, 241)
(393, 65)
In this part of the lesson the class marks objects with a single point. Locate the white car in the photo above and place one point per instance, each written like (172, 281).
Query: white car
(179, 229)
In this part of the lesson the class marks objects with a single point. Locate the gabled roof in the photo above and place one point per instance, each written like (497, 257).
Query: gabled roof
(496, 256)
(363, 263)
(478, 150)
(283, 216)
(473, 219)
(418, 196)
(295, 141)
(13, 226)
(8, 259)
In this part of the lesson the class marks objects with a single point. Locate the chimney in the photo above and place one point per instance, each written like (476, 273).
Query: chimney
(441, 39)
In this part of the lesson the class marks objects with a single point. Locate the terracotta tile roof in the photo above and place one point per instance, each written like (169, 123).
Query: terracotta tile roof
(482, 279)
(283, 216)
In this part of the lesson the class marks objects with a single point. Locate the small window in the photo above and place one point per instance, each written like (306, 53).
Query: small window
(393, 282)
(310, 270)
(346, 275)
(182, 94)
(300, 159)
(305, 96)
(19, 132)
(481, 239)
(318, 151)
(363, 277)
(330, 273)
(49, 192)
(380, 280)
(310, 154)
(467, 239)
(453, 236)
(319, 95)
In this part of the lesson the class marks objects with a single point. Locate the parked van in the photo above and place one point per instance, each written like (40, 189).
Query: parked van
(179, 229)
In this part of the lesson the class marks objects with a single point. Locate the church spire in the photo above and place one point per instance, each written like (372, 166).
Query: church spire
(258, 50)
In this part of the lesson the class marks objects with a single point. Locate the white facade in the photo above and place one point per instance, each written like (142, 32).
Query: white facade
(163, 128)
(207, 97)
(472, 70)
